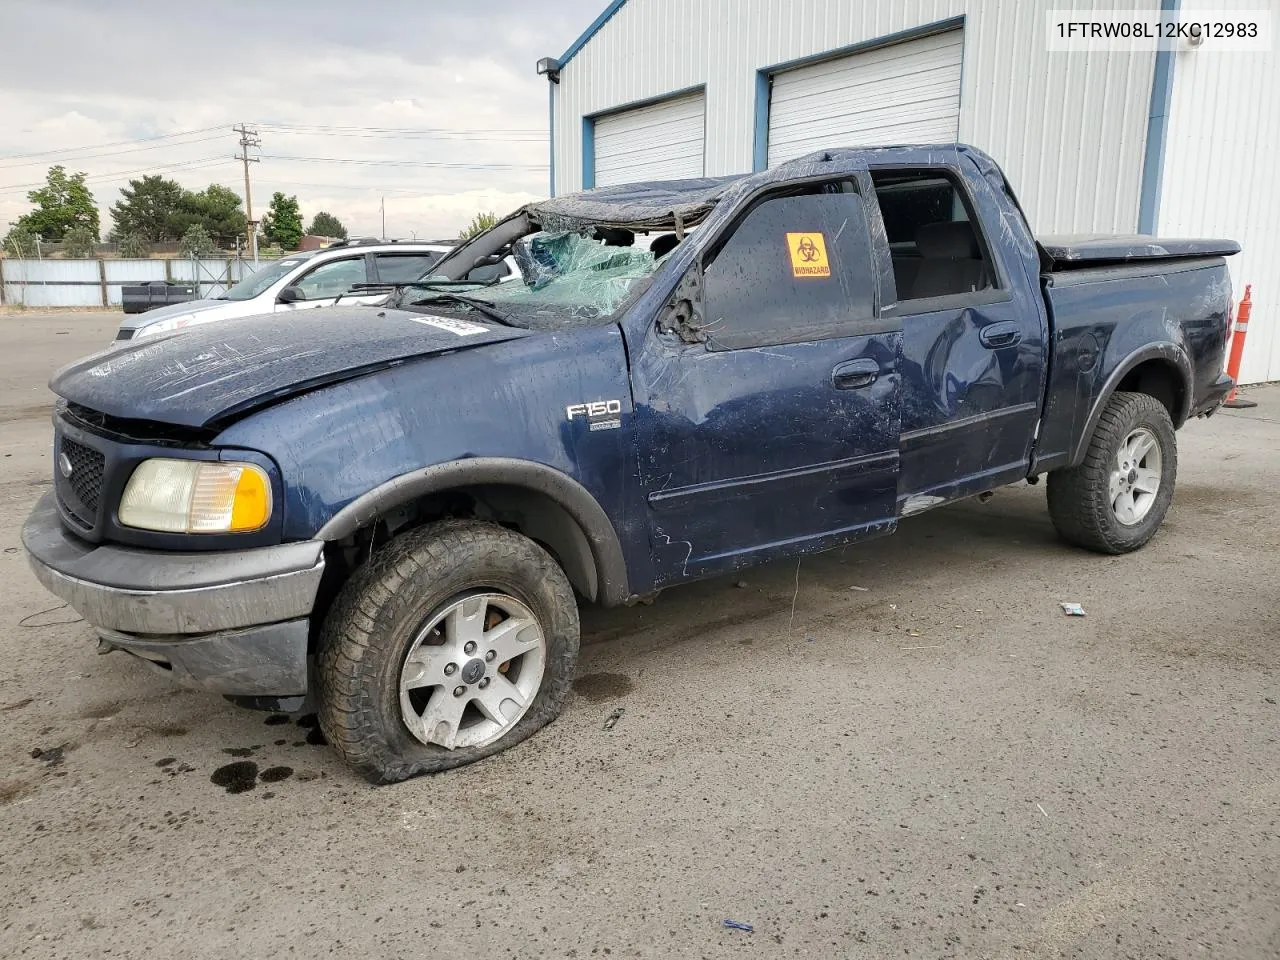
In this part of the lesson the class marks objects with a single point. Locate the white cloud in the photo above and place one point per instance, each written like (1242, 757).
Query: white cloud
(301, 64)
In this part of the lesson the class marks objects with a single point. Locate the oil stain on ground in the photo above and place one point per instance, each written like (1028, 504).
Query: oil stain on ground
(597, 687)
(311, 724)
(238, 777)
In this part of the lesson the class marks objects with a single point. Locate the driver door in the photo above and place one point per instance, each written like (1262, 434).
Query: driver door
(779, 434)
(322, 285)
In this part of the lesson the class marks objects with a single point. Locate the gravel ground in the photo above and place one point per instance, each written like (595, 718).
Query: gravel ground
(924, 759)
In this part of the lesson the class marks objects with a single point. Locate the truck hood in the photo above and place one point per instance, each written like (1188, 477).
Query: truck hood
(207, 376)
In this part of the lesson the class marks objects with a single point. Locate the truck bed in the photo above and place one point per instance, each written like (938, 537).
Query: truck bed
(1117, 320)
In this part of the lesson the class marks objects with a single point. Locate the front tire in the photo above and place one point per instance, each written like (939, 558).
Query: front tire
(456, 641)
(1116, 499)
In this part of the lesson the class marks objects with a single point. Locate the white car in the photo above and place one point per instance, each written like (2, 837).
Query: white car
(301, 281)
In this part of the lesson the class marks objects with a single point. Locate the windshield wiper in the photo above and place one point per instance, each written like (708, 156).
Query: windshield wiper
(367, 290)
(486, 307)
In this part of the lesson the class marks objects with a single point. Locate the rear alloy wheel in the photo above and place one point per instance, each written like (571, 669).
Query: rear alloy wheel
(1116, 499)
(1134, 484)
(455, 641)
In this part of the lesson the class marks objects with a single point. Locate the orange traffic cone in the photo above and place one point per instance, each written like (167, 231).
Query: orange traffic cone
(1237, 351)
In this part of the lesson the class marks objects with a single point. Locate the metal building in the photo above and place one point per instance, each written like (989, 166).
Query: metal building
(1174, 142)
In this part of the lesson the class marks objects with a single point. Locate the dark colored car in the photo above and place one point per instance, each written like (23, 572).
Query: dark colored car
(693, 377)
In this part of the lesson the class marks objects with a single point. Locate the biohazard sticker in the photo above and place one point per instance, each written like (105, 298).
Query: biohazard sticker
(808, 255)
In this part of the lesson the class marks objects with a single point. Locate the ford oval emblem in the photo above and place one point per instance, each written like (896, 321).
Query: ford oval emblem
(65, 466)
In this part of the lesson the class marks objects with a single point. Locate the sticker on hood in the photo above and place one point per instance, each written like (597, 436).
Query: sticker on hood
(462, 328)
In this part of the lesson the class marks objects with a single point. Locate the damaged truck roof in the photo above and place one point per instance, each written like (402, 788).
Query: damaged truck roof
(652, 205)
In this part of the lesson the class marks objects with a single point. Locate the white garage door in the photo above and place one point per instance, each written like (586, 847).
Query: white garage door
(905, 93)
(663, 141)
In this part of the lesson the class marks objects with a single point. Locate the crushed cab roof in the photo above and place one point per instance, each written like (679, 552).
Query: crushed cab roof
(673, 204)
(650, 205)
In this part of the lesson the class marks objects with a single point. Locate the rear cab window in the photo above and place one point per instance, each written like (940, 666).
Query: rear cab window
(936, 245)
(797, 266)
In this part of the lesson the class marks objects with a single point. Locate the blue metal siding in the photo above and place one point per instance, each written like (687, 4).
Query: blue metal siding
(1157, 134)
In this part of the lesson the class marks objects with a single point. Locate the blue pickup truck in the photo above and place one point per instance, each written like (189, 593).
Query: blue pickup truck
(397, 509)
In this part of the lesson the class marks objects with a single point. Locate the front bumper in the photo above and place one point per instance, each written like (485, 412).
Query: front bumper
(232, 622)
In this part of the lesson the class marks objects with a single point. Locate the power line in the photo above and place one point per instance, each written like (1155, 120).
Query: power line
(125, 174)
(375, 188)
(416, 135)
(449, 133)
(410, 163)
(115, 153)
(103, 146)
(405, 130)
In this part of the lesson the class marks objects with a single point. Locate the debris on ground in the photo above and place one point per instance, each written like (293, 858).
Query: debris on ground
(52, 756)
(1072, 609)
(741, 584)
(612, 720)
(735, 925)
(32, 619)
(860, 589)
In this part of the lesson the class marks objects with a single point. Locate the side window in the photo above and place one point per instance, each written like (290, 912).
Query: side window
(403, 267)
(937, 247)
(332, 279)
(796, 267)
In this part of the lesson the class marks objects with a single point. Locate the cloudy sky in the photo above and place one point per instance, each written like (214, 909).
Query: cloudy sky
(433, 104)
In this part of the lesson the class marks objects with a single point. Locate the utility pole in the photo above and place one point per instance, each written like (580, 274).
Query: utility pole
(249, 138)
(383, 207)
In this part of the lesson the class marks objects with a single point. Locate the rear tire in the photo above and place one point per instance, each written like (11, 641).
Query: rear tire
(455, 642)
(1116, 499)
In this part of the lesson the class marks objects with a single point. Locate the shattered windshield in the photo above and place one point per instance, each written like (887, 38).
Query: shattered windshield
(566, 279)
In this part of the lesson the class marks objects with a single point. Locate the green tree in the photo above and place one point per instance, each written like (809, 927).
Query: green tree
(196, 242)
(77, 243)
(20, 242)
(150, 208)
(327, 225)
(282, 226)
(481, 223)
(133, 246)
(62, 203)
(217, 210)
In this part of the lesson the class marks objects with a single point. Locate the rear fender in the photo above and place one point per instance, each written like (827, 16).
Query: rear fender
(1169, 353)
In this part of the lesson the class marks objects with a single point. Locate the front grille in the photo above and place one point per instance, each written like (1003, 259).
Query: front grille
(85, 482)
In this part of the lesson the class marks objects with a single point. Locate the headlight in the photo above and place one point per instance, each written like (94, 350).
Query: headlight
(164, 326)
(196, 496)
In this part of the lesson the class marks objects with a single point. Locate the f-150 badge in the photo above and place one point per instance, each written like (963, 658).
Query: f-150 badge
(600, 414)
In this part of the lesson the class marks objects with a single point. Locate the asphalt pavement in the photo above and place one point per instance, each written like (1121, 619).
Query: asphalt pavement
(899, 749)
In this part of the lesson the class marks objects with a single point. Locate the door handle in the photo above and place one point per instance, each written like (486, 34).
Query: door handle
(855, 373)
(1006, 333)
